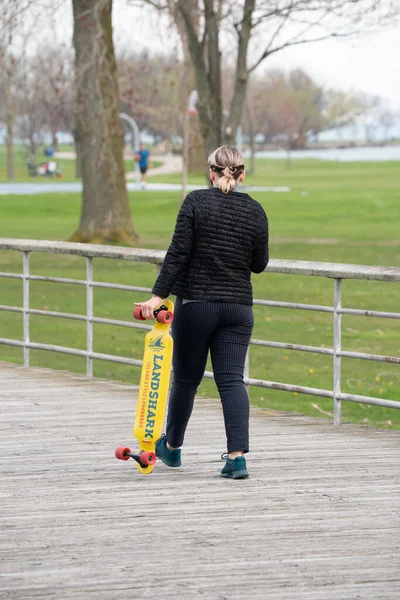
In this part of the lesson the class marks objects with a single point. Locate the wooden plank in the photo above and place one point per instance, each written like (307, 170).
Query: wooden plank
(318, 518)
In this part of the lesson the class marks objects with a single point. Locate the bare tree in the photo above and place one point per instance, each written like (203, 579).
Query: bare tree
(11, 13)
(105, 209)
(387, 120)
(53, 69)
(192, 123)
(370, 116)
(43, 96)
(288, 109)
(31, 115)
(275, 24)
(340, 109)
(259, 113)
(20, 20)
(150, 91)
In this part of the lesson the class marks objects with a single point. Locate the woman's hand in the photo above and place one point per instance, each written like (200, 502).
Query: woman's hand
(149, 307)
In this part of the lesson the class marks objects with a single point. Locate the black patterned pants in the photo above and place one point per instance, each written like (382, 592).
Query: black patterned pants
(224, 329)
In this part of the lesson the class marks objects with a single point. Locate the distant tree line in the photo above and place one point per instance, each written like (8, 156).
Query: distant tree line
(285, 108)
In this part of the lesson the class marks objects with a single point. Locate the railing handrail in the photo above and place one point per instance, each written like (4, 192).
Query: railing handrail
(337, 272)
(288, 267)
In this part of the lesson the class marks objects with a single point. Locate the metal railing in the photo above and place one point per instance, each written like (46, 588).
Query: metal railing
(334, 271)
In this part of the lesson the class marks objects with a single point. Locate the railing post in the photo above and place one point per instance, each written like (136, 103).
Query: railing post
(337, 345)
(158, 267)
(25, 306)
(89, 317)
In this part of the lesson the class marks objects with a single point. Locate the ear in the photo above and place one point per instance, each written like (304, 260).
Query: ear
(212, 175)
(241, 177)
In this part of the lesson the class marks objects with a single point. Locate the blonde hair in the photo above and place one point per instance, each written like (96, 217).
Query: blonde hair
(228, 163)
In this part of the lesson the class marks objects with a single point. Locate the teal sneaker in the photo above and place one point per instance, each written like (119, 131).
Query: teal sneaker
(235, 469)
(171, 458)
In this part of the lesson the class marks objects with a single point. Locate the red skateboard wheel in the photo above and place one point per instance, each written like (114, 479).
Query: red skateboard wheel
(137, 314)
(121, 453)
(147, 458)
(165, 316)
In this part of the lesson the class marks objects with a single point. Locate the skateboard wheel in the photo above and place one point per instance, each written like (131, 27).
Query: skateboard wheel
(137, 314)
(122, 452)
(165, 316)
(147, 458)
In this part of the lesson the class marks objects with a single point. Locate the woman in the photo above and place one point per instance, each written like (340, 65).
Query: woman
(220, 237)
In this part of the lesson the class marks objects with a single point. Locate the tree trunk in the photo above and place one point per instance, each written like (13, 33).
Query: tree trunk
(289, 145)
(241, 78)
(252, 155)
(54, 140)
(300, 142)
(185, 154)
(196, 150)
(206, 58)
(196, 146)
(78, 159)
(32, 150)
(105, 209)
(209, 104)
(10, 120)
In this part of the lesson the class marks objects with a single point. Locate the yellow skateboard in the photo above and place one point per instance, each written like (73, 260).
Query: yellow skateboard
(153, 389)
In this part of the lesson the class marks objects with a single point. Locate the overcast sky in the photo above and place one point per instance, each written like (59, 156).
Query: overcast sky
(369, 63)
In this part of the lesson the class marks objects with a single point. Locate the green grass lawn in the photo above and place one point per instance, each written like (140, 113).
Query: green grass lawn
(334, 212)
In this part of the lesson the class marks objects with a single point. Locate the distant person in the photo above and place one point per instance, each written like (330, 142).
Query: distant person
(221, 236)
(142, 157)
(49, 151)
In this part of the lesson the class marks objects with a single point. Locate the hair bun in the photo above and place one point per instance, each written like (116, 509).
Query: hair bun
(228, 163)
(228, 172)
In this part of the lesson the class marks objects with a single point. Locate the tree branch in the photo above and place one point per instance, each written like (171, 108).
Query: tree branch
(267, 53)
(277, 32)
(157, 5)
(195, 47)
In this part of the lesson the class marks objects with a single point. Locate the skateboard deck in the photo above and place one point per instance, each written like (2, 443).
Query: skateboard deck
(153, 389)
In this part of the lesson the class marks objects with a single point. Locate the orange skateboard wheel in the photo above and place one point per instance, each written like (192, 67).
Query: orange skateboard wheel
(137, 314)
(147, 458)
(165, 316)
(121, 453)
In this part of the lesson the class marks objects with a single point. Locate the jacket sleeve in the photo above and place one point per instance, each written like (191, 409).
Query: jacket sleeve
(179, 251)
(260, 256)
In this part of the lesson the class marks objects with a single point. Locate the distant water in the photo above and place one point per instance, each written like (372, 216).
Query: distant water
(367, 154)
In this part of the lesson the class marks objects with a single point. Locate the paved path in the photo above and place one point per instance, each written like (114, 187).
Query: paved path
(170, 164)
(53, 187)
(319, 518)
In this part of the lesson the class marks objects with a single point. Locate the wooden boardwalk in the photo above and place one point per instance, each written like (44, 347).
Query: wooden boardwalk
(318, 519)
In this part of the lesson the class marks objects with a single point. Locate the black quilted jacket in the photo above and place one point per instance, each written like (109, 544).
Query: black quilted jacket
(218, 240)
